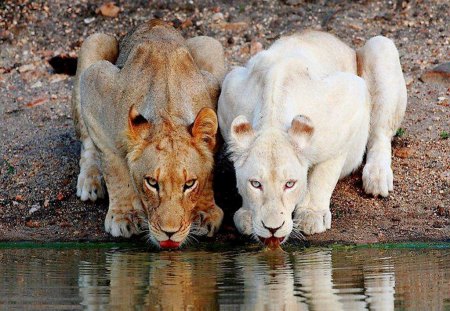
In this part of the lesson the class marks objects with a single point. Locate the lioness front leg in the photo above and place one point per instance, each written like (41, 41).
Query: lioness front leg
(379, 65)
(125, 213)
(313, 214)
(211, 215)
(90, 181)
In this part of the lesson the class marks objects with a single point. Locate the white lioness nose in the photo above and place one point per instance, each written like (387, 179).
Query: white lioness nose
(272, 230)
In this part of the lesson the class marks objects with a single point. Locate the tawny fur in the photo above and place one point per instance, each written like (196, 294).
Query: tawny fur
(146, 109)
(303, 113)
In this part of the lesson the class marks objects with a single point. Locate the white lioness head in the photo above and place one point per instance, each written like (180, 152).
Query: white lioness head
(271, 174)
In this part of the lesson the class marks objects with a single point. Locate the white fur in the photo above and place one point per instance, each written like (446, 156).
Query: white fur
(311, 79)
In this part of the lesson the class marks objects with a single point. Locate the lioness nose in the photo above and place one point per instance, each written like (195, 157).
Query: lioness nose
(271, 230)
(169, 233)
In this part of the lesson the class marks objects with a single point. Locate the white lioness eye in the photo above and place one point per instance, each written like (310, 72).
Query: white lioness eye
(255, 184)
(190, 184)
(152, 183)
(290, 184)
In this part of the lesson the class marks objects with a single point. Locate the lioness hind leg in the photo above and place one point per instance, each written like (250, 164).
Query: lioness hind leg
(90, 182)
(208, 55)
(125, 213)
(379, 65)
(211, 215)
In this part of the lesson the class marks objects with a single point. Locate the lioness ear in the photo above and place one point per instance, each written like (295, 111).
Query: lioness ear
(205, 127)
(301, 131)
(241, 136)
(138, 126)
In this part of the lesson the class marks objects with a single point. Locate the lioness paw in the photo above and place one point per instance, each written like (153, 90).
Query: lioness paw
(243, 221)
(124, 222)
(378, 178)
(311, 221)
(90, 184)
(211, 220)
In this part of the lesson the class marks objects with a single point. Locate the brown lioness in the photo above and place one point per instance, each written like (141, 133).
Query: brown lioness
(144, 110)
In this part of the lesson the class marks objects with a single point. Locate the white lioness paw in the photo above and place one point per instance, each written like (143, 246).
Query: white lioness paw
(311, 221)
(90, 184)
(243, 221)
(378, 178)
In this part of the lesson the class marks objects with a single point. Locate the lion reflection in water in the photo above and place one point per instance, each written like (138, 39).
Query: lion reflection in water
(246, 281)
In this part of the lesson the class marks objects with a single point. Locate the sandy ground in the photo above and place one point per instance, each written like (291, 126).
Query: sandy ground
(39, 152)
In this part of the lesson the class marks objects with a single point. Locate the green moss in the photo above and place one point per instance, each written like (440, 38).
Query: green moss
(400, 132)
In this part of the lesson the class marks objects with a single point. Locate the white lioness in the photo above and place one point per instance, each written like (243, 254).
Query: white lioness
(299, 117)
(144, 111)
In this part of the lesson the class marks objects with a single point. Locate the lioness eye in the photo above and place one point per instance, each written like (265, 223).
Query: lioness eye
(151, 183)
(255, 184)
(189, 184)
(290, 184)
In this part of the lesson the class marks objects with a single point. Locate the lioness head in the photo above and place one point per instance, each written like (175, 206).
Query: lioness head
(271, 174)
(169, 166)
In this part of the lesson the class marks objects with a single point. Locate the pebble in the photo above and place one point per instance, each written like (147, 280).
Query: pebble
(89, 20)
(255, 47)
(34, 208)
(108, 9)
(38, 84)
(218, 17)
(27, 67)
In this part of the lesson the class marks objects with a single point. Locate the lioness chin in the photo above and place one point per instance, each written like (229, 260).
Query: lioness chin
(144, 110)
(312, 107)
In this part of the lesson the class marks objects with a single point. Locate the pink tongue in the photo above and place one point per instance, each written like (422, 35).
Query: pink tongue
(169, 244)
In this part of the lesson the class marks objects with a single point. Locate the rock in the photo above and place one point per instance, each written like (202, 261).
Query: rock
(255, 47)
(32, 224)
(89, 20)
(57, 78)
(187, 23)
(409, 80)
(439, 75)
(25, 68)
(355, 27)
(244, 50)
(292, 2)
(36, 85)
(34, 208)
(218, 17)
(36, 102)
(403, 153)
(108, 9)
(238, 26)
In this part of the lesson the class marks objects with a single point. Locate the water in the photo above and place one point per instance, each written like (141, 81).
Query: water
(114, 277)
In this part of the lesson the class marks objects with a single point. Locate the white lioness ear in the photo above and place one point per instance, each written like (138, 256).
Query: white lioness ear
(301, 131)
(241, 136)
(138, 126)
(204, 128)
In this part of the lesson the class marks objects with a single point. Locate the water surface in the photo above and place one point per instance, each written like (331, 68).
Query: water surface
(122, 277)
